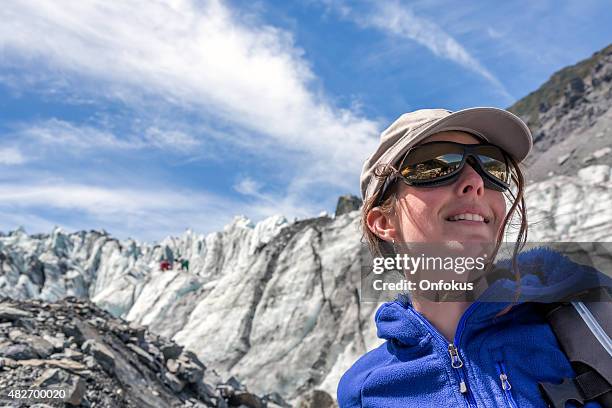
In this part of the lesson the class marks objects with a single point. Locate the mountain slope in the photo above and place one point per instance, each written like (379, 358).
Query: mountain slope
(570, 117)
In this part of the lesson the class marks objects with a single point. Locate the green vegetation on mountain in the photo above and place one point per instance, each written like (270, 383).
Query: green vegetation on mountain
(567, 79)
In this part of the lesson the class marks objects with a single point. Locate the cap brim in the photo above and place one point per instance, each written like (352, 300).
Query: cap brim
(497, 126)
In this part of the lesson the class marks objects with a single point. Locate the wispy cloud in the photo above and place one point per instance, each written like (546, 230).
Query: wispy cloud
(493, 33)
(250, 83)
(11, 156)
(399, 21)
(149, 213)
(196, 55)
(71, 136)
(79, 138)
(173, 139)
(248, 186)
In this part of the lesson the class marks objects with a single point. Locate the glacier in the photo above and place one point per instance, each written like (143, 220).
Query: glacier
(275, 303)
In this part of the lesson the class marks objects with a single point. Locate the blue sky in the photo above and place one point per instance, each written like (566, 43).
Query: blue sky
(146, 118)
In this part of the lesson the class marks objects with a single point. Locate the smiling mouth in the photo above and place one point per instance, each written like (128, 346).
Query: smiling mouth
(472, 218)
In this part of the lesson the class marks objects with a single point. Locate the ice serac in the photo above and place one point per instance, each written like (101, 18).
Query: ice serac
(290, 303)
(572, 208)
(273, 303)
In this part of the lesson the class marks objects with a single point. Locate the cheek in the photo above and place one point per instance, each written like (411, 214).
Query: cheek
(498, 206)
(419, 210)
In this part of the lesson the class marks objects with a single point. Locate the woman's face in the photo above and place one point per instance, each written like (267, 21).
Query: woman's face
(425, 214)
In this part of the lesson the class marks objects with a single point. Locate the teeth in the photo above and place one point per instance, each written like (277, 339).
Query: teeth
(467, 217)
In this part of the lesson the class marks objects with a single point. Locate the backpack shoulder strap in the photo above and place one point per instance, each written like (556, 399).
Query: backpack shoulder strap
(583, 327)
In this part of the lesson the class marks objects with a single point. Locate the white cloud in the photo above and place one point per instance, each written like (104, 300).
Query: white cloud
(248, 186)
(147, 213)
(173, 139)
(493, 33)
(78, 138)
(59, 132)
(398, 20)
(98, 200)
(12, 219)
(198, 56)
(244, 86)
(11, 156)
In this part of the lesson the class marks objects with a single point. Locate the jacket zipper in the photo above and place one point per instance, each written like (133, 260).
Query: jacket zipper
(505, 384)
(453, 351)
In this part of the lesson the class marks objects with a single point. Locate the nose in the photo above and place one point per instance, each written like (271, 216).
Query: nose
(470, 182)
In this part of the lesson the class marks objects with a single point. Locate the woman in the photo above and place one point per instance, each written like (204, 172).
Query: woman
(439, 176)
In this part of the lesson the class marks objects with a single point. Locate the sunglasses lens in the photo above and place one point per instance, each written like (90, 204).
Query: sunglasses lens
(429, 162)
(494, 163)
(436, 160)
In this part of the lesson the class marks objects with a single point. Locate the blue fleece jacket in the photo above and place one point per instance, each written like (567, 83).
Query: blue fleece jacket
(494, 361)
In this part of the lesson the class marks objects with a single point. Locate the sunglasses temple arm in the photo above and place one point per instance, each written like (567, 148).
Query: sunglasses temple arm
(388, 181)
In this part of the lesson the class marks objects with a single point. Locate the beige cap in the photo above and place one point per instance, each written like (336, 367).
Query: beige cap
(497, 126)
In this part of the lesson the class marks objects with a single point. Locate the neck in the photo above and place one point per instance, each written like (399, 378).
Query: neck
(444, 316)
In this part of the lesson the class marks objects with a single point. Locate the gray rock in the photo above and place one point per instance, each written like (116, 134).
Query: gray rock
(274, 398)
(172, 366)
(346, 204)
(174, 382)
(50, 376)
(143, 356)
(70, 354)
(243, 398)
(190, 371)
(153, 350)
(206, 391)
(41, 346)
(17, 351)
(234, 383)
(56, 341)
(14, 334)
(11, 314)
(74, 385)
(103, 355)
(171, 351)
(76, 391)
(138, 331)
(316, 399)
(90, 362)
(74, 332)
(188, 355)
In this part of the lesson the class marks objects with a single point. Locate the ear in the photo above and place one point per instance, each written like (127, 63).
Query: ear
(381, 225)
